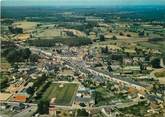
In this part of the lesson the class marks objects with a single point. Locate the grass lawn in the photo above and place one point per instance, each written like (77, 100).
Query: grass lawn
(64, 94)
(160, 74)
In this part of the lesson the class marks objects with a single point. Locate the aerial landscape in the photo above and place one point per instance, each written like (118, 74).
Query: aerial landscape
(82, 58)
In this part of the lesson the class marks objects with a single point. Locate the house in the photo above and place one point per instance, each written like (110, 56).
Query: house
(132, 90)
(98, 80)
(4, 96)
(19, 98)
(18, 86)
(3, 106)
(23, 37)
(84, 96)
(52, 109)
(115, 67)
(127, 61)
(94, 19)
(131, 68)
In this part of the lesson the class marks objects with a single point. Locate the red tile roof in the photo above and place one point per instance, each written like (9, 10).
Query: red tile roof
(19, 98)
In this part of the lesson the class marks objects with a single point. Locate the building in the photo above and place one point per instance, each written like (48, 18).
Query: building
(18, 86)
(4, 96)
(23, 37)
(84, 96)
(19, 98)
(52, 109)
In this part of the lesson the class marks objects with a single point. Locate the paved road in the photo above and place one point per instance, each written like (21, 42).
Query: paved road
(162, 63)
(27, 112)
(84, 68)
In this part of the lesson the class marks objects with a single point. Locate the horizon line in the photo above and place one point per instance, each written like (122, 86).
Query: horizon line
(149, 5)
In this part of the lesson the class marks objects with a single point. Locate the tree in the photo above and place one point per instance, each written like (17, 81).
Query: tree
(98, 97)
(147, 33)
(39, 81)
(82, 113)
(26, 53)
(74, 41)
(156, 87)
(43, 107)
(102, 38)
(155, 63)
(163, 58)
(15, 30)
(15, 66)
(3, 81)
(128, 35)
(141, 33)
(142, 67)
(34, 57)
(109, 85)
(109, 62)
(91, 25)
(30, 90)
(12, 56)
(17, 55)
(114, 38)
(147, 57)
(121, 34)
(109, 68)
(104, 50)
(82, 105)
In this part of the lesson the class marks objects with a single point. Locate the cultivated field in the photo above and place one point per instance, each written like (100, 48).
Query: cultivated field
(25, 24)
(4, 64)
(49, 33)
(64, 93)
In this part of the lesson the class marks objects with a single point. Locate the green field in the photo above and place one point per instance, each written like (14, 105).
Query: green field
(156, 45)
(160, 73)
(64, 95)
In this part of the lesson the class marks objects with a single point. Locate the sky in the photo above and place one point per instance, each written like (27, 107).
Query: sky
(79, 2)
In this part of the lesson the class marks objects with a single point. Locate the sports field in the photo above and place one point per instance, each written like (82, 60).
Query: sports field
(64, 93)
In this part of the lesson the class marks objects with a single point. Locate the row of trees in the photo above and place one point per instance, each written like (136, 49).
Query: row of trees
(67, 41)
(43, 105)
(3, 81)
(85, 27)
(102, 38)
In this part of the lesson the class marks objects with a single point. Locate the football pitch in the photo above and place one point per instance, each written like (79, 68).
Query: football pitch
(64, 93)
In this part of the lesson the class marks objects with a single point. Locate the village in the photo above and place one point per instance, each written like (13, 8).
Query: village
(102, 70)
